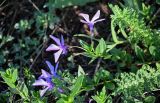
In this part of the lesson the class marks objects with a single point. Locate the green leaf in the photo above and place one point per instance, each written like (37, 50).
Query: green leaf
(23, 90)
(158, 1)
(89, 50)
(80, 71)
(114, 35)
(9, 83)
(101, 47)
(110, 85)
(139, 52)
(101, 75)
(123, 31)
(61, 101)
(85, 45)
(76, 87)
(150, 99)
(10, 76)
(14, 75)
(101, 97)
(110, 47)
(152, 50)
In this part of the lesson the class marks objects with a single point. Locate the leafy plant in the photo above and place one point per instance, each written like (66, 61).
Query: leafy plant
(23, 25)
(18, 87)
(102, 97)
(129, 19)
(133, 28)
(10, 77)
(76, 89)
(133, 87)
(100, 51)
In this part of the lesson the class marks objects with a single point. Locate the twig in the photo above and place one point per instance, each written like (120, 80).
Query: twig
(154, 16)
(98, 65)
(44, 44)
(12, 23)
(118, 99)
(2, 2)
(152, 62)
(145, 93)
(34, 5)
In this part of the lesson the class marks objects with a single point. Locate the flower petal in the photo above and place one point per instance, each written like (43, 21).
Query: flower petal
(98, 20)
(40, 82)
(43, 91)
(45, 75)
(52, 47)
(51, 67)
(56, 40)
(96, 16)
(84, 21)
(62, 40)
(56, 67)
(85, 16)
(57, 55)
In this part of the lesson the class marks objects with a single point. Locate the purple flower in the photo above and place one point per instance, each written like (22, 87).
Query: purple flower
(53, 69)
(47, 85)
(91, 22)
(90, 100)
(45, 79)
(60, 48)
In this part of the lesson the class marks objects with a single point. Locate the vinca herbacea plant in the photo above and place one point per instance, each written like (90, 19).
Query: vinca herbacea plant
(45, 79)
(60, 48)
(91, 22)
(48, 57)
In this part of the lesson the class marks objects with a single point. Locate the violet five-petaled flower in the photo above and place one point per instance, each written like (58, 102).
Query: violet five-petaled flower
(48, 85)
(45, 79)
(91, 22)
(60, 48)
